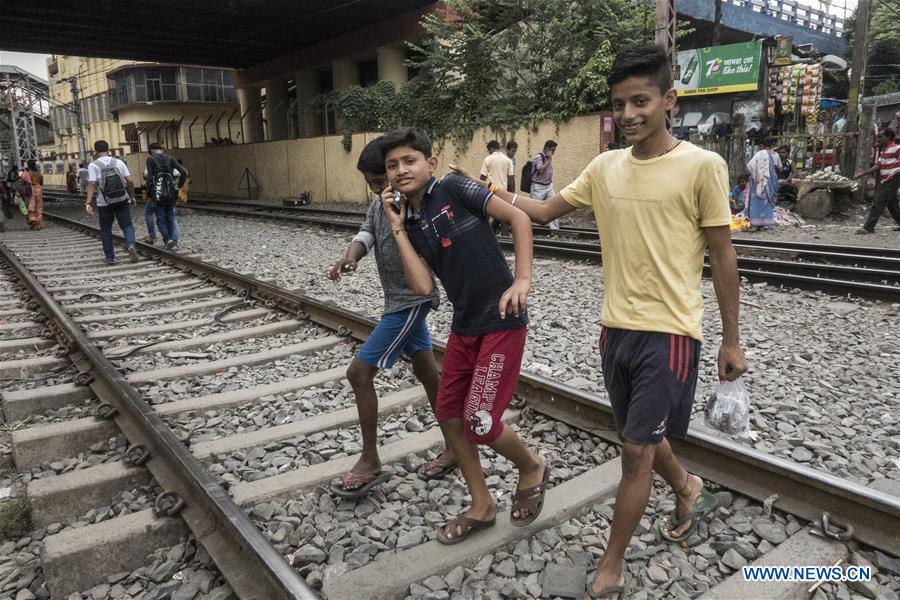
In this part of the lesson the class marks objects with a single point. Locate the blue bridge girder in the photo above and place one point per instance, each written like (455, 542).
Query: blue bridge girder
(763, 18)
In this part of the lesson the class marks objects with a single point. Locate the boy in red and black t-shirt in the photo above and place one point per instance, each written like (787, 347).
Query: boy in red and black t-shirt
(443, 227)
(887, 165)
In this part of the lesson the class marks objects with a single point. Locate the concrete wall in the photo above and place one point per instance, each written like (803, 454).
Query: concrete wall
(321, 166)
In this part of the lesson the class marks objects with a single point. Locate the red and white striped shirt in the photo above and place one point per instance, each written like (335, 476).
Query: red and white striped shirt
(888, 159)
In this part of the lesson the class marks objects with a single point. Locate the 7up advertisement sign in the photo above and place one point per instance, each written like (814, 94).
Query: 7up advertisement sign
(718, 70)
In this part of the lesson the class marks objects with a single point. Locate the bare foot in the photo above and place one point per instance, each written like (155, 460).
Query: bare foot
(685, 498)
(605, 578)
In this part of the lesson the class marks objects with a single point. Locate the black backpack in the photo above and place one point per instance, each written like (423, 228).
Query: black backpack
(111, 182)
(526, 177)
(164, 184)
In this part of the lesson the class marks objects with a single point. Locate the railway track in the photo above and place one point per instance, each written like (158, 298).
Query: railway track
(846, 271)
(179, 319)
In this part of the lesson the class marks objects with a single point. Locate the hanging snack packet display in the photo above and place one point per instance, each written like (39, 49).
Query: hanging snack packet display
(728, 408)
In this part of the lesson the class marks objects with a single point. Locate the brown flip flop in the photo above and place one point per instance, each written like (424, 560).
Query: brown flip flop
(531, 499)
(436, 470)
(464, 527)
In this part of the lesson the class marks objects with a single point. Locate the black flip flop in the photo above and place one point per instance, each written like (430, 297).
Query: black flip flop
(362, 490)
(622, 590)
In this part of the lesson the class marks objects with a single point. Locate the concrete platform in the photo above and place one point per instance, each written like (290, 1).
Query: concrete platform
(26, 367)
(54, 499)
(19, 326)
(256, 358)
(195, 293)
(17, 405)
(188, 282)
(105, 272)
(45, 443)
(167, 310)
(387, 405)
(29, 343)
(113, 279)
(176, 326)
(390, 575)
(800, 549)
(79, 559)
(236, 397)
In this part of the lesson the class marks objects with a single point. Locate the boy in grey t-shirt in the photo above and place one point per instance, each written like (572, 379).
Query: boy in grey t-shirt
(402, 330)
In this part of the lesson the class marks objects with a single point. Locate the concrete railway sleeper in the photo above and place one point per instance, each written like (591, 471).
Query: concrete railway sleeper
(383, 546)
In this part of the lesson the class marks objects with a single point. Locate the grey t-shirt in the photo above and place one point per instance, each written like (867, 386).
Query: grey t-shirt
(376, 231)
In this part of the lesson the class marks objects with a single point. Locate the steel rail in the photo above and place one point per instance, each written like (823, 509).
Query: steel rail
(810, 249)
(801, 490)
(873, 257)
(253, 568)
(754, 269)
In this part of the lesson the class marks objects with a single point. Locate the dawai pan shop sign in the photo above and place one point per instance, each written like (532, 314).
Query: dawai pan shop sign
(719, 69)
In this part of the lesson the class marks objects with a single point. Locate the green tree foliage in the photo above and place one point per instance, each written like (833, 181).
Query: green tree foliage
(882, 74)
(503, 64)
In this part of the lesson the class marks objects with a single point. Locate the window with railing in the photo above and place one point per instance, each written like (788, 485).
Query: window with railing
(170, 84)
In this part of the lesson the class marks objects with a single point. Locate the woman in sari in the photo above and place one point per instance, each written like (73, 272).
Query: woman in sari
(763, 186)
(35, 202)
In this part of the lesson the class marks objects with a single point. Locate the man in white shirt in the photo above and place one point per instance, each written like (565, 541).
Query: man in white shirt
(109, 178)
(497, 168)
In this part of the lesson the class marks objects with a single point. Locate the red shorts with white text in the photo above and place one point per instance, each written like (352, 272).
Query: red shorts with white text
(479, 375)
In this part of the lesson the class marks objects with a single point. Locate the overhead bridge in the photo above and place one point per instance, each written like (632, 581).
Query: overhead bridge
(807, 24)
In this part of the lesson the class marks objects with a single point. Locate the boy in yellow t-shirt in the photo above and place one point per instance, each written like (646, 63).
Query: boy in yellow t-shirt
(658, 205)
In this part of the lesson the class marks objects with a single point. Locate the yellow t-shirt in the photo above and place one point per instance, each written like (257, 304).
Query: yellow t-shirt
(497, 167)
(649, 215)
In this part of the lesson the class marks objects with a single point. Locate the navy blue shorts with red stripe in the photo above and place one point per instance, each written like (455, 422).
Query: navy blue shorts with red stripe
(651, 379)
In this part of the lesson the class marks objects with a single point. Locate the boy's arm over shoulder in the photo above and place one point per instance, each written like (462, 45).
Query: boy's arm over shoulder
(711, 191)
(471, 195)
(580, 193)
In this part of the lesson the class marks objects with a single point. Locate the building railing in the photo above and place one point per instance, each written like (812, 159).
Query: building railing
(797, 13)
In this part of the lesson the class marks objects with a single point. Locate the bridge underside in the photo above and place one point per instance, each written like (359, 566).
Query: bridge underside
(236, 34)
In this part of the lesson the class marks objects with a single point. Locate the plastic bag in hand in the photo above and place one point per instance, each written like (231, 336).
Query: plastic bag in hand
(728, 408)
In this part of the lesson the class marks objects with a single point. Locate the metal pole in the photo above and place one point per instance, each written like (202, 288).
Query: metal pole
(191, 131)
(217, 123)
(230, 117)
(858, 68)
(10, 97)
(205, 123)
(76, 106)
(665, 36)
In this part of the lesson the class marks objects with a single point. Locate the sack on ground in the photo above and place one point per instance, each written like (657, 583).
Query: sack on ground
(728, 408)
(111, 182)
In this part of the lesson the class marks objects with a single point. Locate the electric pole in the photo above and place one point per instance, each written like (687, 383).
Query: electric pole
(857, 73)
(76, 108)
(665, 37)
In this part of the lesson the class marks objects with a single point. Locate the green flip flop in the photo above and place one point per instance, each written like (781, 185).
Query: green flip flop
(703, 506)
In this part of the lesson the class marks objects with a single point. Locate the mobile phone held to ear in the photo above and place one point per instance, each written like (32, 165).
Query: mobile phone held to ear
(395, 205)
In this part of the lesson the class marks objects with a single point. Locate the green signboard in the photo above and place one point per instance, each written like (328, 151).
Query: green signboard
(719, 69)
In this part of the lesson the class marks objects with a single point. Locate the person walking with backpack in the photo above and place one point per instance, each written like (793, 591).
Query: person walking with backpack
(163, 192)
(542, 176)
(82, 178)
(109, 178)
